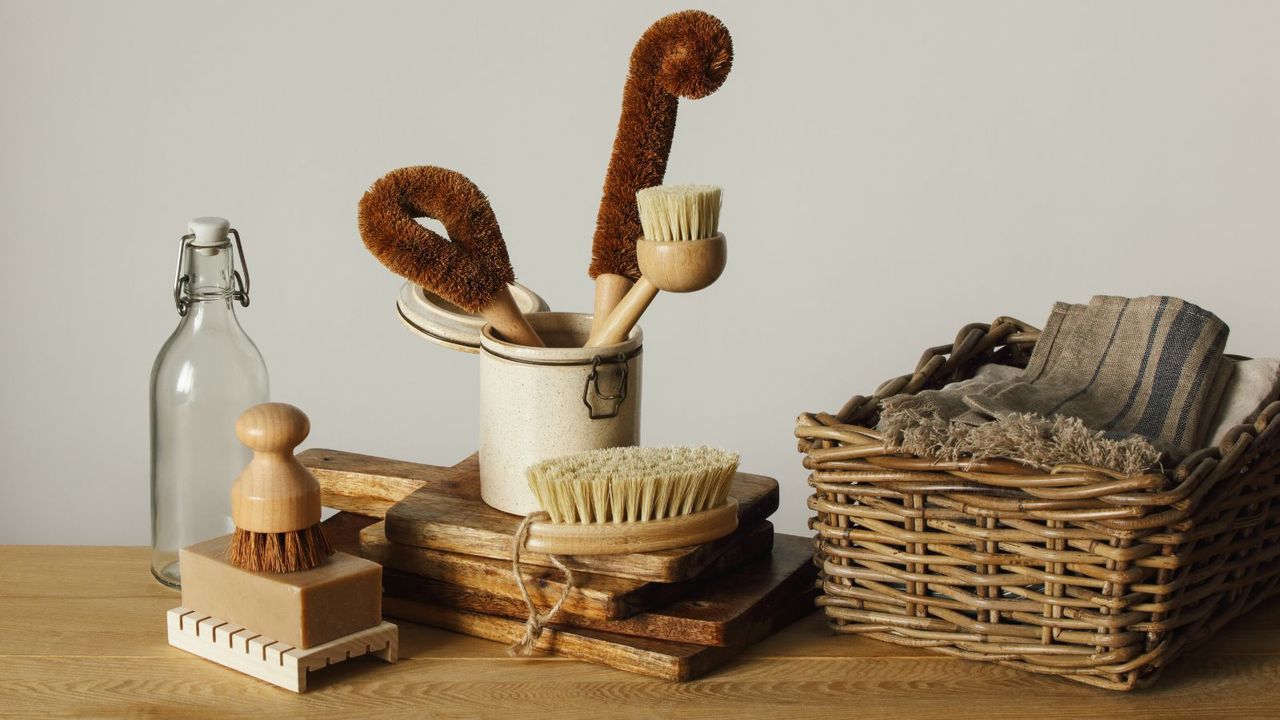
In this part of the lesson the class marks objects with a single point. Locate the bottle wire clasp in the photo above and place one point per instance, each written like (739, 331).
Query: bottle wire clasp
(181, 278)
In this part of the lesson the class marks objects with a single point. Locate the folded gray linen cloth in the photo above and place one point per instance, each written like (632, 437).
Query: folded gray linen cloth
(1123, 384)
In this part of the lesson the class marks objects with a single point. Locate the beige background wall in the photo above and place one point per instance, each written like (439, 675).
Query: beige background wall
(893, 170)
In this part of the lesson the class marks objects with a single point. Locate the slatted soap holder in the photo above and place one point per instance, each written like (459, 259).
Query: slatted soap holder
(266, 659)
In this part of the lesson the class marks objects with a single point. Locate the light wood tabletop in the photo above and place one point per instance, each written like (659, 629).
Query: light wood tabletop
(82, 634)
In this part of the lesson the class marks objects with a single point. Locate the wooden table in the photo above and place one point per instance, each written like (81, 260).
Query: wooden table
(82, 634)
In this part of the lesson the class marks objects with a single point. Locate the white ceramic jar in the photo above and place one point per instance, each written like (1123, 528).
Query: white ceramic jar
(543, 402)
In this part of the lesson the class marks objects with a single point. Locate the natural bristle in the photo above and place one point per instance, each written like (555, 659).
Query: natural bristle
(282, 552)
(632, 484)
(674, 213)
(470, 268)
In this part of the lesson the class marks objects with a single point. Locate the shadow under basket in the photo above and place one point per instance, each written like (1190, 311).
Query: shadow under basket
(1074, 571)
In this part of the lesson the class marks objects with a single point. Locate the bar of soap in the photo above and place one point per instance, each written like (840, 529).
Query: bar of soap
(341, 596)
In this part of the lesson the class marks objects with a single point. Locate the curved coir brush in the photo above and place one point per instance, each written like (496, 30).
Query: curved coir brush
(470, 269)
(687, 54)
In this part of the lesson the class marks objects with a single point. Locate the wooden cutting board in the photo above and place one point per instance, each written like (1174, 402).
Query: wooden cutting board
(740, 609)
(368, 485)
(373, 486)
(594, 597)
(462, 523)
(710, 614)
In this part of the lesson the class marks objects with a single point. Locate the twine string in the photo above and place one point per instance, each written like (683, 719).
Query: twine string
(534, 626)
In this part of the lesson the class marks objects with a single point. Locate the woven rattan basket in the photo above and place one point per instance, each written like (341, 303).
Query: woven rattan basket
(1071, 570)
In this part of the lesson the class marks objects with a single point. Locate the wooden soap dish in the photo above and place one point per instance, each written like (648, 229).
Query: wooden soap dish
(266, 659)
(633, 537)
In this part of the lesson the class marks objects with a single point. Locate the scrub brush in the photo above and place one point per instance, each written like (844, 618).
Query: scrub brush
(682, 250)
(621, 500)
(684, 55)
(631, 499)
(275, 502)
(471, 269)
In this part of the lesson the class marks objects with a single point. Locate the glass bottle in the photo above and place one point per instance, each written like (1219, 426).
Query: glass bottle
(207, 373)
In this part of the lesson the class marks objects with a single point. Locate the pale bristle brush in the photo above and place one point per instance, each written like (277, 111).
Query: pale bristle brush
(622, 500)
(621, 485)
(682, 251)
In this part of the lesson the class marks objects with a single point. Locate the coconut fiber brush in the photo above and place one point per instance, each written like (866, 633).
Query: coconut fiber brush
(471, 269)
(687, 54)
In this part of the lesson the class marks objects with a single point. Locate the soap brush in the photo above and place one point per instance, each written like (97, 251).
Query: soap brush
(470, 269)
(684, 55)
(682, 251)
(275, 502)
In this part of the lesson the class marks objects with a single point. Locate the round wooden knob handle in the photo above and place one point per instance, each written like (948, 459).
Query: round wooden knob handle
(274, 493)
(273, 427)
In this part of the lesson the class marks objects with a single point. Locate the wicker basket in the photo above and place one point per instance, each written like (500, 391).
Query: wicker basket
(1072, 570)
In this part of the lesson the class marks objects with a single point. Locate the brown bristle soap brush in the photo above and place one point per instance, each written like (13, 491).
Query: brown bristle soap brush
(470, 269)
(682, 251)
(274, 600)
(275, 503)
(684, 55)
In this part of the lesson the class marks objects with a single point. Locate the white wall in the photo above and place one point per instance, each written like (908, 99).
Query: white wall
(893, 171)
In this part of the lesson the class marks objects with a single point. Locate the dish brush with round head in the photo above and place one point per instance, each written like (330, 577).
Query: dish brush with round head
(682, 251)
(470, 269)
(684, 55)
(275, 502)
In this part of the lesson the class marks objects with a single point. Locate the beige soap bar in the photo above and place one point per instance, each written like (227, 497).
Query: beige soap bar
(304, 609)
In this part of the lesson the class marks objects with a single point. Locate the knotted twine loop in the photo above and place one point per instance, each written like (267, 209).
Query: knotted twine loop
(534, 625)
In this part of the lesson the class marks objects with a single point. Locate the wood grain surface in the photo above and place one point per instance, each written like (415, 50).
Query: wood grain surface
(757, 613)
(368, 485)
(720, 612)
(440, 508)
(82, 634)
(599, 597)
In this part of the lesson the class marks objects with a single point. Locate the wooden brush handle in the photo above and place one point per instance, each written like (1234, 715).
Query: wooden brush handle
(610, 289)
(274, 493)
(505, 317)
(625, 316)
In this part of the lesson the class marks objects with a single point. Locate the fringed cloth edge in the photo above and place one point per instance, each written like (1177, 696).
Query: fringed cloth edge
(1024, 437)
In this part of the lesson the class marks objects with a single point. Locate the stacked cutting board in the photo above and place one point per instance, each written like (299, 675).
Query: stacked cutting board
(673, 614)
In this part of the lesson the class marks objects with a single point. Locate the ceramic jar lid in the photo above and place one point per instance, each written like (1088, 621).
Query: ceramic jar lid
(444, 323)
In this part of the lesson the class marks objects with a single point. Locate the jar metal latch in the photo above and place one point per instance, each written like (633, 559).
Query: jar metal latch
(591, 391)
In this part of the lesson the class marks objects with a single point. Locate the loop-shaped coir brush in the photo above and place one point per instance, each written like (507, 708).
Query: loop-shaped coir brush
(470, 269)
(687, 54)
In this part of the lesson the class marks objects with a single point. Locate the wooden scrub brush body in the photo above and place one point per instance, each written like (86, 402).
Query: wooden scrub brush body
(275, 502)
(687, 54)
(630, 499)
(470, 269)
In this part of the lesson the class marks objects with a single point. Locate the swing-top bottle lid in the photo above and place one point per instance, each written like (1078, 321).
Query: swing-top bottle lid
(209, 231)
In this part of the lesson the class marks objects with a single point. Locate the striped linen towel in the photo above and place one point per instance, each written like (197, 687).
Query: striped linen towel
(1120, 383)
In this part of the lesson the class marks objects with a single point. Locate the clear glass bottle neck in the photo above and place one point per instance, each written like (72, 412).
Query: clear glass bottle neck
(210, 285)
